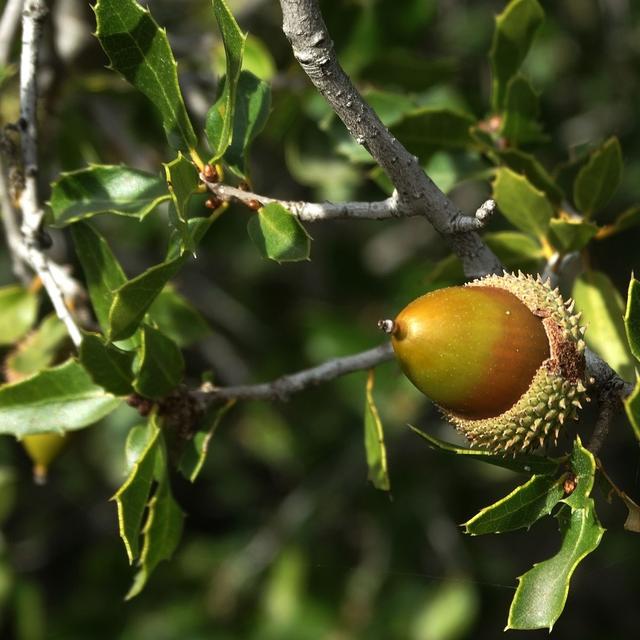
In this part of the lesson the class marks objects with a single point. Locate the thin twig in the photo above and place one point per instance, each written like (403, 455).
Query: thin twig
(283, 387)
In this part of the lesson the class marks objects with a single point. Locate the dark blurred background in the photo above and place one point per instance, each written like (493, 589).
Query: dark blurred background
(285, 538)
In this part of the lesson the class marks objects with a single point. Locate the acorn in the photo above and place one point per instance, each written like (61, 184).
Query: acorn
(43, 449)
(503, 358)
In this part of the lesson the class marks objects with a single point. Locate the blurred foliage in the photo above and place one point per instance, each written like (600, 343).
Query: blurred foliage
(284, 537)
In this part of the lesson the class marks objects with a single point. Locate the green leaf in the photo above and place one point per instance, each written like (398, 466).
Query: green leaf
(523, 463)
(252, 105)
(602, 312)
(139, 49)
(583, 466)
(542, 591)
(161, 365)
(632, 407)
(632, 317)
(182, 181)
(103, 273)
(60, 399)
(515, 250)
(197, 448)
(519, 123)
(107, 365)
(131, 498)
(278, 234)
(19, 309)
(374, 440)
(177, 318)
(627, 219)
(198, 227)
(598, 180)
(521, 508)
(521, 203)
(512, 38)
(99, 189)
(429, 129)
(571, 235)
(37, 350)
(219, 126)
(132, 300)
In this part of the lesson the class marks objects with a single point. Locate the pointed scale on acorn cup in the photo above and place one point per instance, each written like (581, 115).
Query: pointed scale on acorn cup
(503, 358)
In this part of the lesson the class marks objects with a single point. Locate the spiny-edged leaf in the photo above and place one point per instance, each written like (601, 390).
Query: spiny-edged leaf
(253, 101)
(519, 123)
(602, 310)
(523, 463)
(182, 180)
(278, 234)
(521, 508)
(107, 365)
(598, 180)
(521, 203)
(132, 300)
(513, 35)
(527, 165)
(632, 317)
(542, 591)
(103, 273)
(160, 366)
(131, 498)
(219, 126)
(161, 533)
(374, 440)
(59, 399)
(98, 189)
(139, 49)
(515, 250)
(36, 350)
(198, 227)
(18, 310)
(428, 129)
(583, 465)
(197, 448)
(571, 235)
(177, 318)
(632, 407)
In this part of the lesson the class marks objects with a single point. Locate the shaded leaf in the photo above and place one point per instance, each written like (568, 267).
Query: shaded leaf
(632, 317)
(182, 181)
(602, 311)
(107, 365)
(627, 219)
(374, 440)
(139, 49)
(571, 235)
(515, 250)
(19, 309)
(60, 399)
(278, 234)
(160, 366)
(99, 189)
(519, 122)
(598, 180)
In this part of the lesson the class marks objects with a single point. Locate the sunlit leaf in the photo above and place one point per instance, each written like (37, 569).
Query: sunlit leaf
(632, 317)
(571, 235)
(632, 407)
(19, 308)
(374, 440)
(107, 365)
(182, 181)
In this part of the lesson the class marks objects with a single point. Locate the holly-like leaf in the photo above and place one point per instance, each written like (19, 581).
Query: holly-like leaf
(521, 203)
(602, 312)
(182, 180)
(571, 235)
(428, 129)
(219, 126)
(374, 440)
(632, 317)
(139, 49)
(98, 189)
(516, 250)
(62, 398)
(523, 463)
(107, 365)
(19, 309)
(512, 38)
(598, 180)
(632, 407)
(131, 498)
(196, 450)
(519, 124)
(583, 466)
(103, 273)
(542, 591)
(520, 509)
(161, 365)
(278, 234)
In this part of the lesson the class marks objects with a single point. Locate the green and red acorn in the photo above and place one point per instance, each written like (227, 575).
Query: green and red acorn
(503, 357)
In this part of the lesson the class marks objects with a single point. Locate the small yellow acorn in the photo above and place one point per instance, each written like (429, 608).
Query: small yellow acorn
(43, 448)
(503, 357)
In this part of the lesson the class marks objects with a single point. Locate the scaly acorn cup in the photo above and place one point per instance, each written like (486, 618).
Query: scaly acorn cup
(503, 358)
